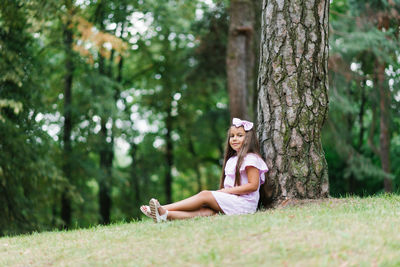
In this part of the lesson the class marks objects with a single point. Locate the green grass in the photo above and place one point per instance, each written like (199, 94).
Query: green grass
(344, 232)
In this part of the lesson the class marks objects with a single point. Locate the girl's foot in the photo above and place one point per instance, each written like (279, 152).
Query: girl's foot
(145, 210)
(155, 207)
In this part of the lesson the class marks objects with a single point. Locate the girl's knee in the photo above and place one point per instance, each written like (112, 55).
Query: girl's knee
(205, 193)
(202, 193)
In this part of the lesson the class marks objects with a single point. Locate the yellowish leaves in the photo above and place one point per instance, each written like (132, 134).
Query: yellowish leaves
(91, 37)
(16, 106)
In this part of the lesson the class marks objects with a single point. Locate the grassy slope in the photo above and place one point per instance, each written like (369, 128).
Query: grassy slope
(351, 231)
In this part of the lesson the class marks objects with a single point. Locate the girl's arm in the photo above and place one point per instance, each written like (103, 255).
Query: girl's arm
(253, 175)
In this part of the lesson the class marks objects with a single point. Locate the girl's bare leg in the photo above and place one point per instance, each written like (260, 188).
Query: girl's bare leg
(180, 215)
(194, 203)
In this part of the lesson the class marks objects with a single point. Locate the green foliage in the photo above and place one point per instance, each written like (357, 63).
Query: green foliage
(182, 83)
(357, 44)
(360, 6)
(138, 64)
(29, 177)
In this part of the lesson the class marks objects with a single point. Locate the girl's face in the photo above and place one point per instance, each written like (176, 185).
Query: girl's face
(236, 137)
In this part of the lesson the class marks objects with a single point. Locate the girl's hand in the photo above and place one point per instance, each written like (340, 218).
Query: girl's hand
(253, 175)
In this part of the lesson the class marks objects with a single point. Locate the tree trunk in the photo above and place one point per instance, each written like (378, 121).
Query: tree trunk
(384, 137)
(256, 48)
(65, 197)
(361, 117)
(135, 181)
(240, 57)
(168, 157)
(120, 64)
(106, 158)
(106, 149)
(196, 163)
(293, 97)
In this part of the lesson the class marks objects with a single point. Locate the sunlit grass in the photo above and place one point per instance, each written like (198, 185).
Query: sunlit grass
(344, 232)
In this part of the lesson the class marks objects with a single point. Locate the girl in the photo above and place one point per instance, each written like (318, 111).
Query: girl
(242, 174)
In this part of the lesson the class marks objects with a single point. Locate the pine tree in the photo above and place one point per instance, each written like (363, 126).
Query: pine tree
(293, 97)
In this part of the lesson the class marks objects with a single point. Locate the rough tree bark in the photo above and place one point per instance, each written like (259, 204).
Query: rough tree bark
(293, 98)
(240, 57)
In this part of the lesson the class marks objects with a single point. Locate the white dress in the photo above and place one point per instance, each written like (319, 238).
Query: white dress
(240, 204)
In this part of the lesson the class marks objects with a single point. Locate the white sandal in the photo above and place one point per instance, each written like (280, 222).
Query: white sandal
(146, 210)
(154, 205)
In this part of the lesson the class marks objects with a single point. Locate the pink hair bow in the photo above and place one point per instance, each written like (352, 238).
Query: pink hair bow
(246, 124)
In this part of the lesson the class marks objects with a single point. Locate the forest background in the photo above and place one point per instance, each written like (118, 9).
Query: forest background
(105, 104)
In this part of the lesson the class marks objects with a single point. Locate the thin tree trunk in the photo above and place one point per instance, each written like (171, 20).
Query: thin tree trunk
(196, 167)
(168, 156)
(256, 48)
(293, 97)
(135, 180)
(68, 40)
(361, 117)
(110, 64)
(383, 151)
(106, 158)
(106, 149)
(372, 129)
(120, 64)
(384, 137)
(240, 57)
(167, 85)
